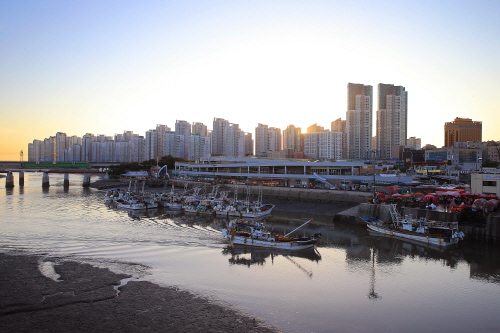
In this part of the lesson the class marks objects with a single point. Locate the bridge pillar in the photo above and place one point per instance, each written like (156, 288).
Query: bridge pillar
(45, 180)
(66, 180)
(86, 180)
(9, 181)
(21, 178)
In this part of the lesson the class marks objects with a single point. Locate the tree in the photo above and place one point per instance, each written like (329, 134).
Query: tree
(490, 164)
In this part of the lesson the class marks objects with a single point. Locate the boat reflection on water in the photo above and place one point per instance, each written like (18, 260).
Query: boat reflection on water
(251, 255)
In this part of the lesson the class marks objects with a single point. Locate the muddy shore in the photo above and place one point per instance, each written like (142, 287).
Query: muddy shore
(40, 294)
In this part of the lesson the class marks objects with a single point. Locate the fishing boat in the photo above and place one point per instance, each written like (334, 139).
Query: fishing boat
(252, 210)
(138, 201)
(254, 234)
(426, 231)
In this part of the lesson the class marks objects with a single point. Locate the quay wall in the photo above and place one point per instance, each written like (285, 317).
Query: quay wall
(305, 194)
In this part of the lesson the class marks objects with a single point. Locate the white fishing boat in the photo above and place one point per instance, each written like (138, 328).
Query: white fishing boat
(426, 231)
(254, 234)
(252, 210)
(137, 202)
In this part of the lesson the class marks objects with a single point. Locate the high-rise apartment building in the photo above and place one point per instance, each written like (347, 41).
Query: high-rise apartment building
(261, 140)
(199, 147)
(173, 144)
(248, 144)
(338, 125)
(359, 120)
(324, 145)
(182, 127)
(199, 128)
(160, 132)
(267, 139)
(234, 141)
(150, 145)
(315, 128)
(462, 130)
(292, 138)
(274, 139)
(217, 139)
(392, 118)
(61, 145)
(414, 143)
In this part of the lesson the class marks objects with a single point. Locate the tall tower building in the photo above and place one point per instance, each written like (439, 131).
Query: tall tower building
(234, 141)
(359, 120)
(217, 140)
(160, 133)
(248, 144)
(61, 145)
(315, 128)
(292, 138)
(267, 139)
(392, 118)
(199, 147)
(199, 128)
(182, 127)
(462, 130)
(274, 134)
(338, 125)
(261, 140)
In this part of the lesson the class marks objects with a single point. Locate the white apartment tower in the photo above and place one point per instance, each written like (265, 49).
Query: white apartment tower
(150, 145)
(218, 133)
(324, 145)
(261, 140)
(359, 120)
(160, 132)
(173, 144)
(234, 141)
(61, 145)
(274, 139)
(199, 128)
(292, 138)
(267, 139)
(414, 143)
(392, 118)
(199, 147)
(182, 127)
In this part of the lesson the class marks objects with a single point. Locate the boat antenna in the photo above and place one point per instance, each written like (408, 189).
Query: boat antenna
(297, 228)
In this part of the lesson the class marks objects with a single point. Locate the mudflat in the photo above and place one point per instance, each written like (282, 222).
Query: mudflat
(43, 294)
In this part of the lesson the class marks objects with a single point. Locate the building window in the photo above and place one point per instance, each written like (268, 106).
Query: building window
(489, 183)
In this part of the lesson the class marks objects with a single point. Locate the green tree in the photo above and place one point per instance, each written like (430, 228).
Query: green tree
(490, 164)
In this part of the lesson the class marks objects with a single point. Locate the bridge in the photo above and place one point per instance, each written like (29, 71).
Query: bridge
(66, 167)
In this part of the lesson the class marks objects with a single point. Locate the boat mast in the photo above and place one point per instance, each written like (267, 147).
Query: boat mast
(297, 228)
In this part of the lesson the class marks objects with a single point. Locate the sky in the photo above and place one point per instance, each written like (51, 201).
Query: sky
(105, 67)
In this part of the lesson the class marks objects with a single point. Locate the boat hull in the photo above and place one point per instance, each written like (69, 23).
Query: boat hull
(431, 240)
(292, 245)
(137, 206)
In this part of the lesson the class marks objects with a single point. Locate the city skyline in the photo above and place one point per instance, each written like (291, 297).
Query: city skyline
(101, 68)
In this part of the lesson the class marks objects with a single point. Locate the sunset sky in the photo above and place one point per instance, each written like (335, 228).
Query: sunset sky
(103, 67)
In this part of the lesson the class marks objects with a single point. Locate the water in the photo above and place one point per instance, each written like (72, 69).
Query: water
(352, 282)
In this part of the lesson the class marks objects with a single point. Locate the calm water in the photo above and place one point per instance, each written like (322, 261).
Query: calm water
(352, 282)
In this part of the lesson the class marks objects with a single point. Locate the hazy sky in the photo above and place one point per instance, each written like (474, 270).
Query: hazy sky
(103, 67)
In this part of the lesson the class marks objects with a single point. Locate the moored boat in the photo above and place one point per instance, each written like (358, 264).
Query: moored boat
(426, 231)
(254, 234)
